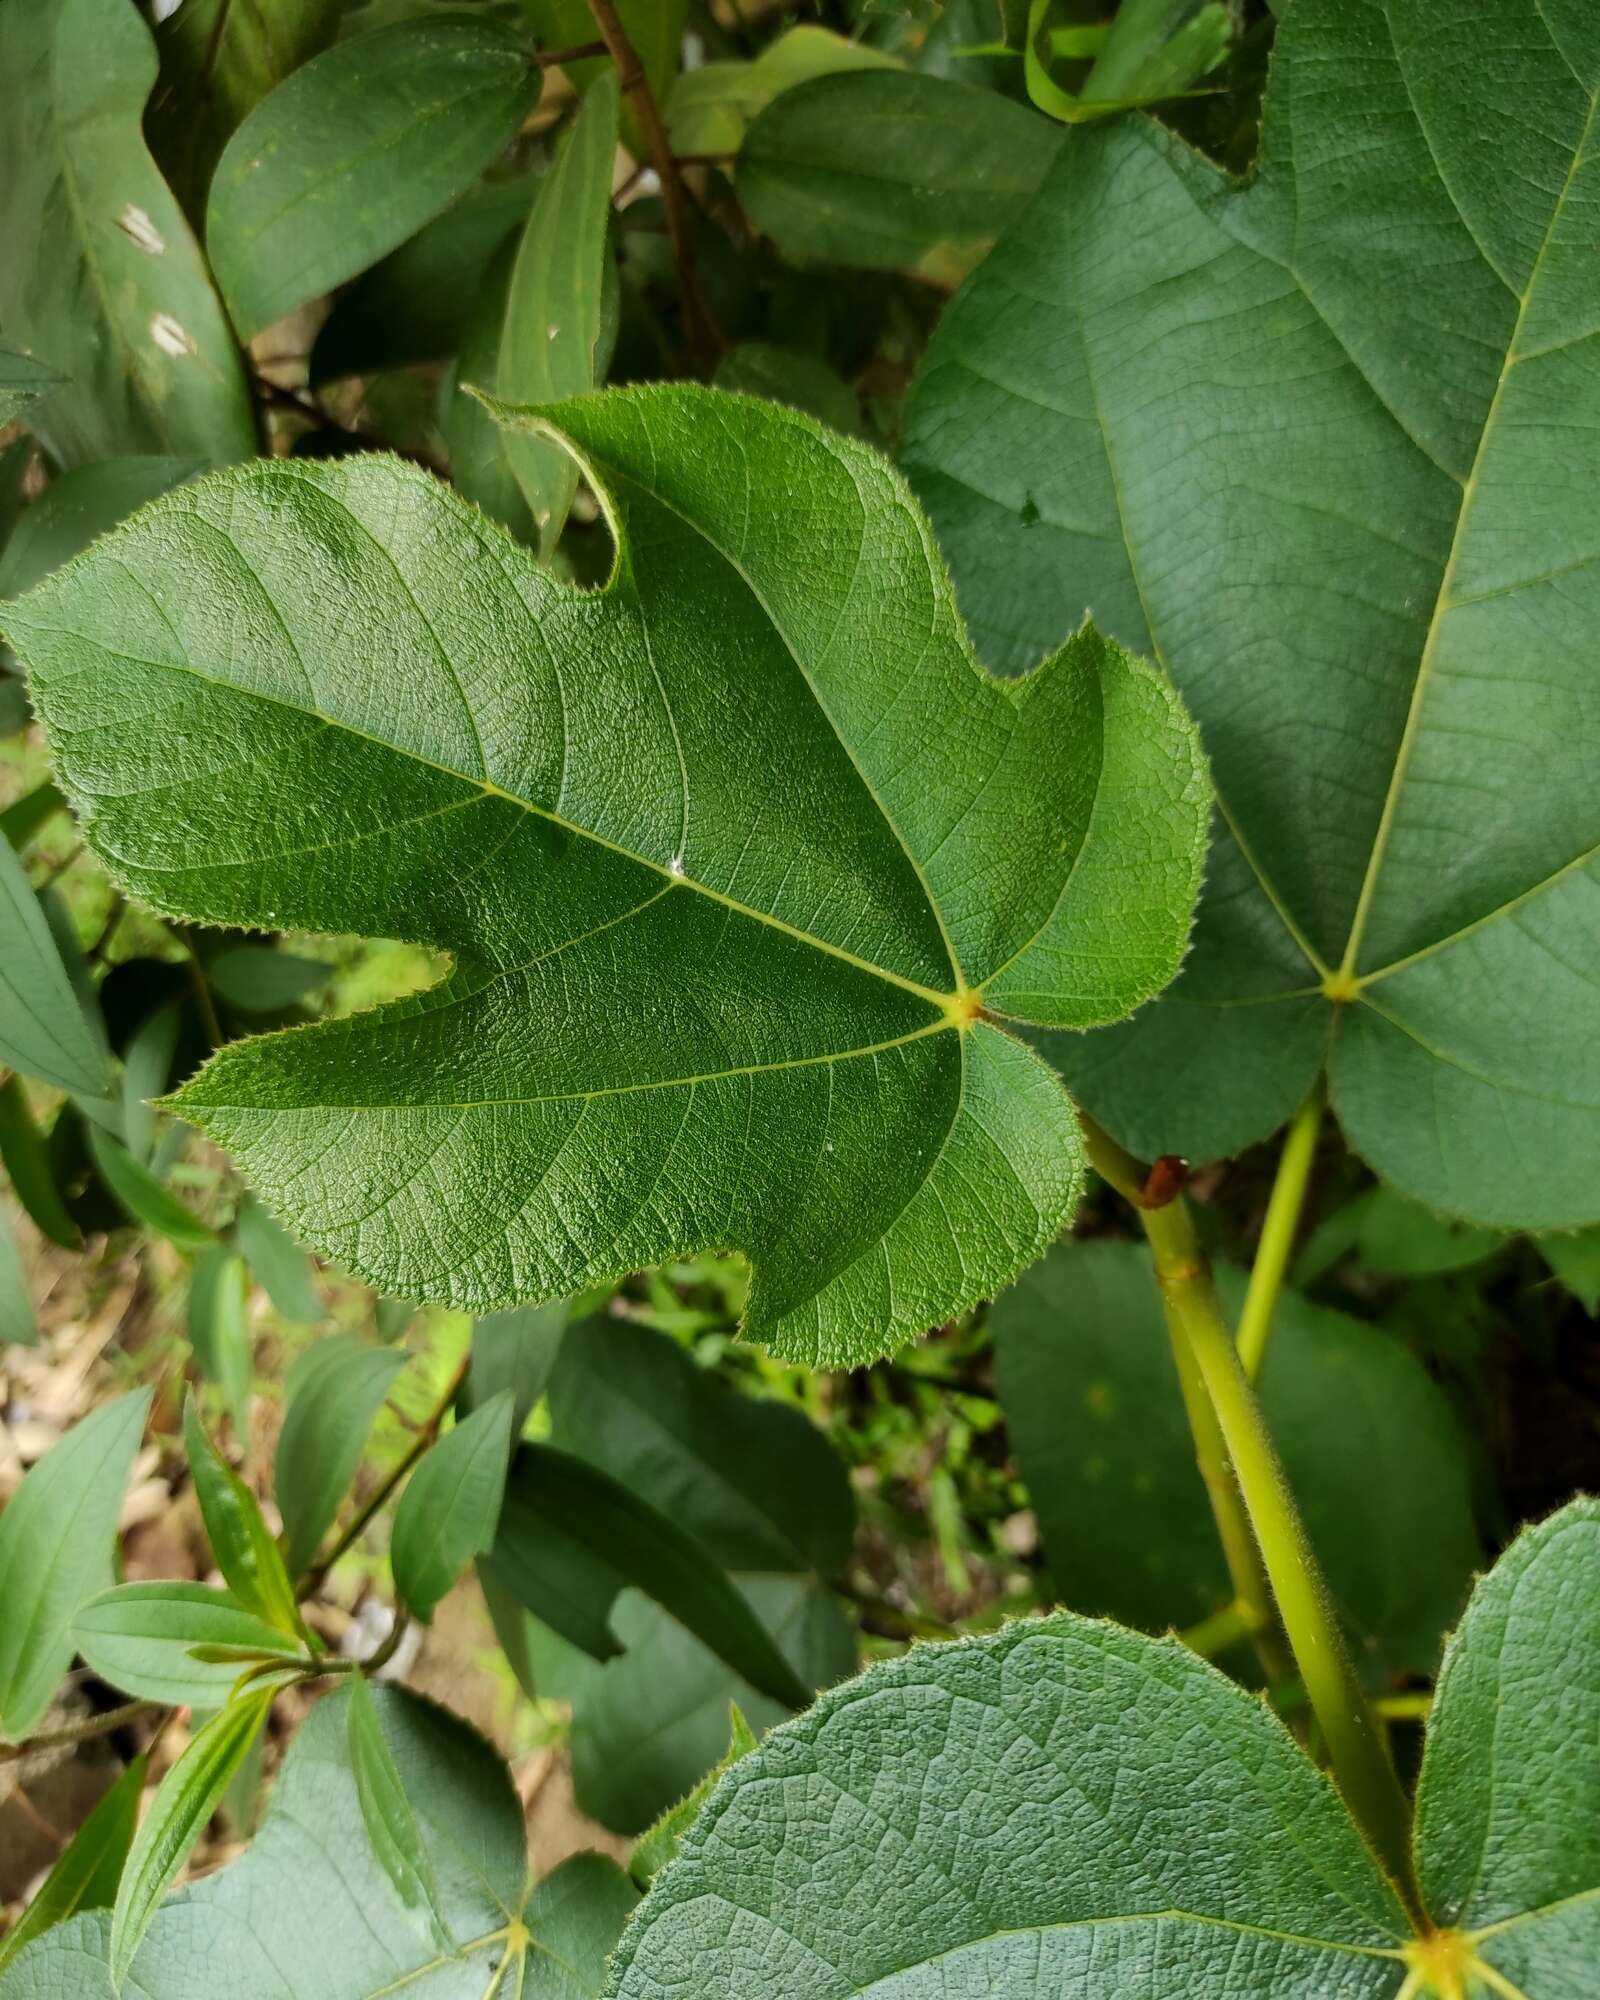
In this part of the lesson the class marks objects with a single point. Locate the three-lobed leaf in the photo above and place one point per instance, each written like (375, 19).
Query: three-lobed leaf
(1069, 1807)
(741, 859)
(1337, 478)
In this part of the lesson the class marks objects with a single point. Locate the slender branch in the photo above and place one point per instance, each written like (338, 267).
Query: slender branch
(80, 1732)
(579, 52)
(704, 333)
(1355, 1740)
(1278, 1232)
(1230, 1626)
(879, 1615)
(311, 1582)
(1250, 1587)
(200, 986)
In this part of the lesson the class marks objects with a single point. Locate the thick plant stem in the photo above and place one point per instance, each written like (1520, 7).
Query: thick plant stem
(1278, 1232)
(1356, 1745)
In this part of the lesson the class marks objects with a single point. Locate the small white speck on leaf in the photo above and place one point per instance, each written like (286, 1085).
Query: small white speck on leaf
(135, 223)
(171, 336)
(675, 866)
(554, 330)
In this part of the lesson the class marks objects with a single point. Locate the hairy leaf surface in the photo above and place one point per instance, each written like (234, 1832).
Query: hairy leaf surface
(1066, 1807)
(1324, 445)
(739, 859)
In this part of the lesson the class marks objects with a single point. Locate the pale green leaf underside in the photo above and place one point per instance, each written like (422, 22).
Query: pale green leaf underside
(309, 1910)
(1067, 1807)
(1324, 446)
(727, 854)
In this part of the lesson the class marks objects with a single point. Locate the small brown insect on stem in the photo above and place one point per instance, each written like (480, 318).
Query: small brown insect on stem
(705, 336)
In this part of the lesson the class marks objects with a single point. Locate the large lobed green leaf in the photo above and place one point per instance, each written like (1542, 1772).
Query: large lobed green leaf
(1067, 1807)
(310, 1909)
(101, 274)
(1324, 446)
(740, 859)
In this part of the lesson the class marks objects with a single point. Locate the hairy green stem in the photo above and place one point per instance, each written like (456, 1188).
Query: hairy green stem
(80, 1732)
(1278, 1232)
(1210, 1359)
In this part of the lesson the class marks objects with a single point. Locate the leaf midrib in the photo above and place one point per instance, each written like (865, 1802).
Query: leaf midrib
(487, 787)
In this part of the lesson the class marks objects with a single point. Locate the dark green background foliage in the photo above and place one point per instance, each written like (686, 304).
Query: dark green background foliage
(797, 963)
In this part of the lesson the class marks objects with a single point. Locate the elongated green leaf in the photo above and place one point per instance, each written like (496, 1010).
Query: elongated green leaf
(480, 467)
(414, 305)
(334, 1393)
(279, 1263)
(140, 1637)
(549, 346)
(219, 1328)
(246, 1553)
(22, 378)
(878, 167)
(259, 979)
(17, 1323)
(448, 1512)
(56, 1541)
(178, 1814)
(1575, 1260)
(146, 1070)
(27, 1162)
(22, 820)
(219, 58)
(142, 1198)
(1373, 1451)
(102, 273)
(293, 1925)
(514, 1350)
(354, 152)
(392, 1829)
(1332, 477)
(570, 1538)
(759, 945)
(43, 1032)
(90, 1867)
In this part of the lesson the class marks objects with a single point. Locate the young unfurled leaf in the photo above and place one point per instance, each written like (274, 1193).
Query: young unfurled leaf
(177, 1816)
(90, 1868)
(1375, 1455)
(741, 859)
(448, 1512)
(334, 1393)
(57, 1535)
(1066, 1807)
(354, 152)
(294, 1926)
(43, 1030)
(1329, 474)
(386, 1813)
(246, 1553)
(877, 167)
(571, 1538)
(102, 274)
(141, 1638)
(549, 345)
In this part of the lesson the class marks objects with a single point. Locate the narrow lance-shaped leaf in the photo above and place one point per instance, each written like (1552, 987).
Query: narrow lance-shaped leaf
(514, 1350)
(387, 1816)
(56, 1541)
(90, 1867)
(142, 1198)
(549, 345)
(177, 1816)
(739, 988)
(43, 1032)
(334, 1393)
(142, 1638)
(102, 273)
(279, 1263)
(246, 1553)
(448, 1512)
(27, 1162)
(219, 1328)
(17, 1322)
(354, 152)
(1341, 481)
